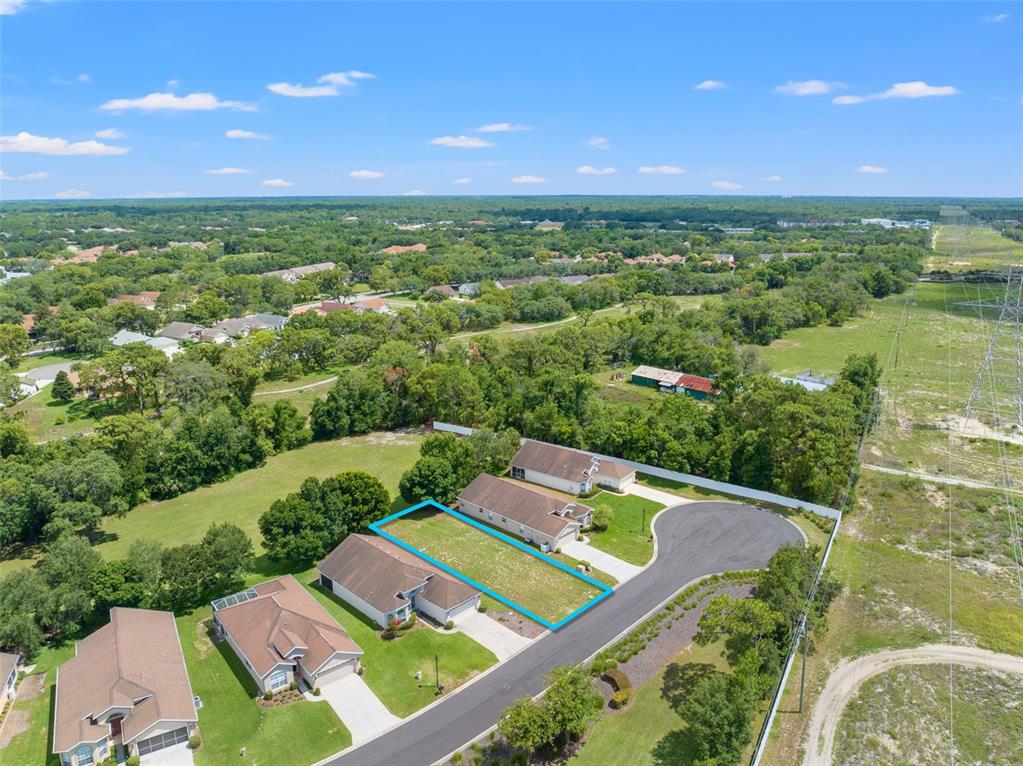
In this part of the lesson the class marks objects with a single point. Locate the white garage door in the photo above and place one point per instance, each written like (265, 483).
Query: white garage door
(340, 670)
(160, 741)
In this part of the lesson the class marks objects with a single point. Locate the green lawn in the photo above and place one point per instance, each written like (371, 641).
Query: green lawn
(391, 665)
(648, 731)
(27, 363)
(49, 419)
(628, 535)
(979, 247)
(242, 499)
(688, 491)
(31, 747)
(545, 590)
(292, 735)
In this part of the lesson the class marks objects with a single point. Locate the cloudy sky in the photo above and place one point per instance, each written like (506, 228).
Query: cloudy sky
(119, 99)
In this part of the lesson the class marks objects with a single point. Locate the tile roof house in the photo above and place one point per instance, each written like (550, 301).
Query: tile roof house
(386, 583)
(532, 514)
(282, 634)
(127, 685)
(446, 290)
(567, 470)
(292, 275)
(182, 331)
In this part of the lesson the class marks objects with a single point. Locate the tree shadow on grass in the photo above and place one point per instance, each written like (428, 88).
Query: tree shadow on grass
(247, 682)
(347, 608)
(674, 749)
(680, 680)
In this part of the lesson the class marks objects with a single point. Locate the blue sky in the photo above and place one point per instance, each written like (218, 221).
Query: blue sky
(131, 99)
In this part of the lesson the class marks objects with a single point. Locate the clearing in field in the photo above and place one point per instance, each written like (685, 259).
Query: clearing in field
(539, 587)
(966, 248)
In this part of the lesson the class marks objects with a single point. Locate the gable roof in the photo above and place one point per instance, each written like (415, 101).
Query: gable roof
(377, 571)
(282, 617)
(181, 331)
(696, 383)
(530, 507)
(133, 661)
(553, 460)
(8, 662)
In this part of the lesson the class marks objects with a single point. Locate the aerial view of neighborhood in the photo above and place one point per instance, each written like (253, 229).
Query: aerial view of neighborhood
(511, 383)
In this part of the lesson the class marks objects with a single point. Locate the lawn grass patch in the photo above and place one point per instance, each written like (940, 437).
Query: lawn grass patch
(230, 718)
(543, 589)
(29, 363)
(628, 534)
(688, 491)
(391, 666)
(48, 419)
(32, 746)
(648, 731)
(242, 499)
(979, 247)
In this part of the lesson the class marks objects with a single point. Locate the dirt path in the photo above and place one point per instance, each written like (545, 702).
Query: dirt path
(306, 387)
(847, 678)
(935, 479)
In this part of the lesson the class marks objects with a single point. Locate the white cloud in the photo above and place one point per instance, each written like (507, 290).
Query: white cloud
(711, 85)
(109, 133)
(39, 176)
(72, 194)
(460, 142)
(807, 87)
(302, 91)
(5, 177)
(366, 174)
(463, 180)
(915, 89)
(11, 7)
(247, 134)
(277, 183)
(172, 84)
(528, 180)
(771, 179)
(502, 127)
(26, 143)
(875, 169)
(193, 102)
(663, 170)
(164, 195)
(726, 185)
(84, 78)
(329, 85)
(598, 142)
(227, 171)
(997, 18)
(414, 193)
(589, 170)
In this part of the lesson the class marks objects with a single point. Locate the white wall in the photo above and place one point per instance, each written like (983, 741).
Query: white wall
(610, 481)
(554, 482)
(512, 526)
(441, 615)
(380, 618)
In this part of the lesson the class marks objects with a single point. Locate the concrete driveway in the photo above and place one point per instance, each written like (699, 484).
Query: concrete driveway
(598, 559)
(358, 707)
(664, 498)
(176, 755)
(488, 632)
(707, 537)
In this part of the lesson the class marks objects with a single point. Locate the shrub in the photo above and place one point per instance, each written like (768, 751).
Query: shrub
(133, 760)
(293, 685)
(586, 565)
(483, 608)
(618, 680)
(268, 695)
(602, 518)
(601, 663)
(457, 758)
(579, 538)
(193, 742)
(449, 625)
(557, 550)
(316, 691)
(520, 759)
(619, 699)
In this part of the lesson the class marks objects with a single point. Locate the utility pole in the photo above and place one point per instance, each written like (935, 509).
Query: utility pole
(436, 673)
(802, 672)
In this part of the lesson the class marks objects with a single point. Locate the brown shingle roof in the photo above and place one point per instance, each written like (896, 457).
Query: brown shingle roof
(282, 617)
(133, 661)
(529, 507)
(376, 570)
(553, 460)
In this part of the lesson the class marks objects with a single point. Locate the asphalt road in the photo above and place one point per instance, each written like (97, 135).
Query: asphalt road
(693, 539)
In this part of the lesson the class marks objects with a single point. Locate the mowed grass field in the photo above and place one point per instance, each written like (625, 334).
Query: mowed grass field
(628, 534)
(963, 248)
(541, 588)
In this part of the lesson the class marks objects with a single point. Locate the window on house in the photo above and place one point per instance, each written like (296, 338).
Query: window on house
(103, 749)
(65, 759)
(277, 680)
(84, 755)
(518, 473)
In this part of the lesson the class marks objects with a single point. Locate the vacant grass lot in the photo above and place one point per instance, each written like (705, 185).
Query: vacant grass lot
(242, 499)
(628, 534)
(902, 716)
(48, 419)
(979, 247)
(32, 716)
(543, 589)
(391, 666)
(649, 732)
(291, 735)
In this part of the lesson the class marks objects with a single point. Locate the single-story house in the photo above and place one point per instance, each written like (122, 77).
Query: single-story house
(239, 327)
(446, 290)
(575, 279)
(504, 284)
(808, 380)
(568, 470)
(146, 299)
(9, 664)
(126, 685)
(210, 335)
(167, 345)
(282, 634)
(292, 275)
(674, 381)
(535, 516)
(385, 582)
(548, 225)
(182, 331)
(469, 289)
(272, 321)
